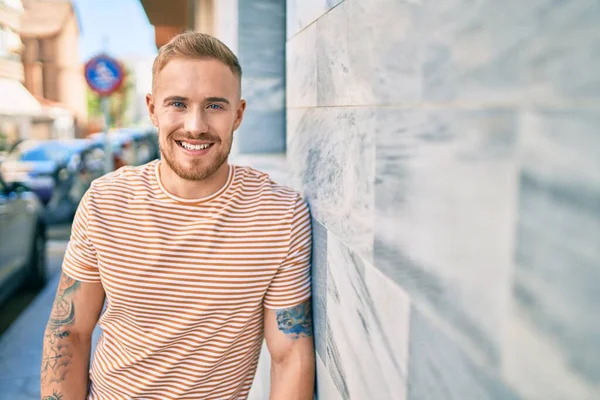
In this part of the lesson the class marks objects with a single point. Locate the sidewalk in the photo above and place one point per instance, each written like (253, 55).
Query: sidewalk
(21, 345)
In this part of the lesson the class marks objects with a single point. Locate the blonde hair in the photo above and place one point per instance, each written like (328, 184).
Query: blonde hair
(195, 45)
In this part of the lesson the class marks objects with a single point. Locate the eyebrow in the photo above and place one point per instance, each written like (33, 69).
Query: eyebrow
(217, 100)
(208, 99)
(174, 98)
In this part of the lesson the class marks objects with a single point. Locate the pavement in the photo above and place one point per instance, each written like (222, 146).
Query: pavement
(21, 344)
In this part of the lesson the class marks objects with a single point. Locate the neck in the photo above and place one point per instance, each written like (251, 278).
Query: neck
(190, 190)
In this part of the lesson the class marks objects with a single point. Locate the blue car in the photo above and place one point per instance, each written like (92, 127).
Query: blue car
(58, 171)
(39, 164)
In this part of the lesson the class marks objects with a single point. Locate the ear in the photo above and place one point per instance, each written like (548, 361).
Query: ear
(151, 109)
(239, 114)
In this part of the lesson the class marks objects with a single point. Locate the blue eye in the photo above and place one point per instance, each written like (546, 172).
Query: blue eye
(177, 104)
(215, 106)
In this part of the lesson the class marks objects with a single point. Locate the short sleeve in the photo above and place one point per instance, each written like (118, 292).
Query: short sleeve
(80, 262)
(291, 284)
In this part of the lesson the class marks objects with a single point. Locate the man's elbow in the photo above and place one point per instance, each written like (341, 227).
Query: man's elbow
(303, 358)
(74, 334)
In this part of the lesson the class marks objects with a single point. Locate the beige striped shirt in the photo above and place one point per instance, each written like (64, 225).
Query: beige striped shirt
(186, 280)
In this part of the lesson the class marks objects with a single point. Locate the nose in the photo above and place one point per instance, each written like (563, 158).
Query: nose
(195, 121)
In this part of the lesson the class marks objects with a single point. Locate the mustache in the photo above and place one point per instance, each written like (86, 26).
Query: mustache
(206, 137)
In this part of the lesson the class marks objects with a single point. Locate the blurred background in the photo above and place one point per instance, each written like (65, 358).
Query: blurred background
(449, 151)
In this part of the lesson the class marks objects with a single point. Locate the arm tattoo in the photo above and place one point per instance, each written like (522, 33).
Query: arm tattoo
(57, 355)
(55, 396)
(296, 322)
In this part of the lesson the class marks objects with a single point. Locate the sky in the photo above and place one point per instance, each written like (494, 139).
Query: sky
(119, 27)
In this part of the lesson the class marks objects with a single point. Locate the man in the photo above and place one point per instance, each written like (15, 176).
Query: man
(196, 258)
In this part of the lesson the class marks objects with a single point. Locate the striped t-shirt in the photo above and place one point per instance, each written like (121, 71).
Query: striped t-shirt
(186, 280)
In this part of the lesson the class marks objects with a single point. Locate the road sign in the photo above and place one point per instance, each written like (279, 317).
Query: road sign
(104, 74)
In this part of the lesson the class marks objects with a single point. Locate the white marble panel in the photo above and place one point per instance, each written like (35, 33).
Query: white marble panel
(331, 152)
(552, 336)
(302, 69)
(368, 324)
(511, 52)
(325, 387)
(473, 52)
(563, 55)
(446, 192)
(439, 369)
(368, 54)
(385, 45)
(535, 366)
(301, 13)
(333, 62)
(393, 308)
(294, 116)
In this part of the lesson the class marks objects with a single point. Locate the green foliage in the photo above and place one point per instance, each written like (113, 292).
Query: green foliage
(94, 107)
(118, 102)
(3, 142)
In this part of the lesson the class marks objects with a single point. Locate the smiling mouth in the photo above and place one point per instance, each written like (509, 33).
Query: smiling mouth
(193, 147)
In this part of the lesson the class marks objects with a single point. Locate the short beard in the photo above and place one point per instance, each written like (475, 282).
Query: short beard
(194, 174)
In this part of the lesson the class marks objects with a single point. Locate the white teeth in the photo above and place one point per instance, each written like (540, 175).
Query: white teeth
(194, 146)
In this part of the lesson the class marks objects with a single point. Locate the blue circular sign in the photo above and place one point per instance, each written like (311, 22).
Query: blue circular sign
(104, 74)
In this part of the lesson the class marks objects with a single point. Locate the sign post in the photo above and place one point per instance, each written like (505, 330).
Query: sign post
(104, 75)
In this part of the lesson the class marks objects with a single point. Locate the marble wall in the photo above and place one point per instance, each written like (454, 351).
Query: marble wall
(261, 50)
(450, 154)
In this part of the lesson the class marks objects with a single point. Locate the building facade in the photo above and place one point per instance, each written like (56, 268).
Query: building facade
(52, 69)
(450, 155)
(17, 105)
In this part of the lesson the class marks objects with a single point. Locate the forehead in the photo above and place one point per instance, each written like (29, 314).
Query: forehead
(196, 77)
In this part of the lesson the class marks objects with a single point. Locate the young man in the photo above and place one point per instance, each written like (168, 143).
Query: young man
(197, 258)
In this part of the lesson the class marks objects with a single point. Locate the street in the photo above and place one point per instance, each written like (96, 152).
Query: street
(56, 245)
(22, 331)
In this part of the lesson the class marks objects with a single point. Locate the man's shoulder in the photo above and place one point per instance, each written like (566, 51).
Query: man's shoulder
(261, 183)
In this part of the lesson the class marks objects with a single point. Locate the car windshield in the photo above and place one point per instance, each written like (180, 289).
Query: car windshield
(39, 151)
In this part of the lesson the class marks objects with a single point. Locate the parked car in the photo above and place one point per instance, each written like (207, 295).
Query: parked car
(58, 171)
(145, 144)
(130, 146)
(85, 163)
(23, 243)
(39, 164)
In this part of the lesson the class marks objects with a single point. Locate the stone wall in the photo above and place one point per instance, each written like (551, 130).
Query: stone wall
(450, 153)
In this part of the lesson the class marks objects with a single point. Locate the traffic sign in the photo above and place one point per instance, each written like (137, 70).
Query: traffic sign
(104, 74)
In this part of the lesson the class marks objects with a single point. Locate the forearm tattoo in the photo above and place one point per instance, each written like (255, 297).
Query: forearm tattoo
(54, 396)
(296, 322)
(57, 355)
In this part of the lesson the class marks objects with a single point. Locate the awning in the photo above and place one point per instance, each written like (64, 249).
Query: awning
(15, 100)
